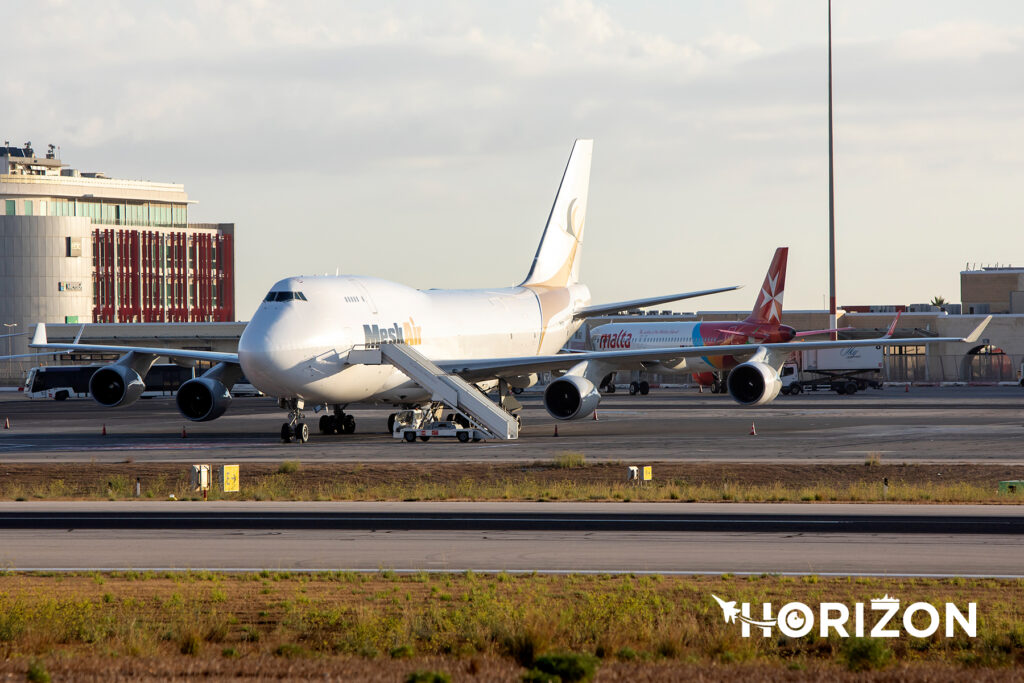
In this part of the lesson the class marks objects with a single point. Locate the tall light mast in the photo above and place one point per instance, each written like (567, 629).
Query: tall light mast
(831, 196)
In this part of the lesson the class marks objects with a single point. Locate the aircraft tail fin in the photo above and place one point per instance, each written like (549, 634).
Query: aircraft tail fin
(768, 308)
(557, 262)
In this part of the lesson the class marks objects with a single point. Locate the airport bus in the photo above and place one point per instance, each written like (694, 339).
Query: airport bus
(61, 382)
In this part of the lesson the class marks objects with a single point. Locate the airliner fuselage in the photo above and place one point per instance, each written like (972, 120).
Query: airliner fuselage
(298, 341)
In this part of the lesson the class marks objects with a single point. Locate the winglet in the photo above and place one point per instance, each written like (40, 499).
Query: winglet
(39, 337)
(892, 328)
(973, 336)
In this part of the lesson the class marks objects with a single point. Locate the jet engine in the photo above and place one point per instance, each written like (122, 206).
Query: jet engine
(116, 385)
(203, 399)
(754, 383)
(571, 397)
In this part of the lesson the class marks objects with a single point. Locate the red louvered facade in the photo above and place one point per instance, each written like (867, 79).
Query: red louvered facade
(144, 275)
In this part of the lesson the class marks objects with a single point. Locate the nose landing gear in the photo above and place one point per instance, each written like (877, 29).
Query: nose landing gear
(295, 427)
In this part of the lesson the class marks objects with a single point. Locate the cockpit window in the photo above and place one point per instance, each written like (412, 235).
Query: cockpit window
(285, 296)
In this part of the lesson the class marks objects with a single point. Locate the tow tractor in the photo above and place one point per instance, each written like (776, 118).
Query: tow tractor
(410, 424)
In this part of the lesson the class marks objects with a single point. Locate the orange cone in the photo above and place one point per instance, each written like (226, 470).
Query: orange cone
(556, 431)
(104, 432)
(906, 388)
(753, 430)
(595, 416)
(184, 435)
(7, 423)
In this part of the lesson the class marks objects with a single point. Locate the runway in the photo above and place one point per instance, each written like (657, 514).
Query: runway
(962, 540)
(973, 424)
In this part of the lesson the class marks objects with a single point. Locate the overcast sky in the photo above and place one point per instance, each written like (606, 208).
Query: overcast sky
(423, 142)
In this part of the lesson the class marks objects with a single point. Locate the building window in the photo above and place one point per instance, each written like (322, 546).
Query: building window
(28, 207)
(9, 207)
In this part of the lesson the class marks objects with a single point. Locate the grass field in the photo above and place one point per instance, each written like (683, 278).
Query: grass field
(568, 478)
(383, 626)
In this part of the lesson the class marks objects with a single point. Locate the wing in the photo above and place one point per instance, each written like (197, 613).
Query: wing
(39, 341)
(477, 369)
(603, 309)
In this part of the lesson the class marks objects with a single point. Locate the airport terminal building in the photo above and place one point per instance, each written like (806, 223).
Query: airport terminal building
(81, 247)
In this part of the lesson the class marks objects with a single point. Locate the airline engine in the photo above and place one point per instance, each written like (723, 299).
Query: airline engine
(571, 397)
(202, 399)
(116, 385)
(754, 383)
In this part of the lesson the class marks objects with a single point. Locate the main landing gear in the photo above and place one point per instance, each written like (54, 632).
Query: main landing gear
(338, 423)
(642, 388)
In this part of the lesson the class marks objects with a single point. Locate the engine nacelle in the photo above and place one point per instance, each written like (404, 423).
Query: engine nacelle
(203, 399)
(571, 397)
(116, 385)
(754, 383)
(522, 381)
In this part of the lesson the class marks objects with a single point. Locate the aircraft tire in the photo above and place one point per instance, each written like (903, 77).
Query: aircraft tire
(301, 432)
(348, 425)
(645, 388)
(633, 388)
(286, 432)
(325, 424)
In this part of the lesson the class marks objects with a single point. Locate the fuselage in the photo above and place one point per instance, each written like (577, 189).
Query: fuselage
(612, 336)
(297, 343)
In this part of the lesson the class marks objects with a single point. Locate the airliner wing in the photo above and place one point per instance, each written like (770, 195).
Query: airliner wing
(488, 368)
(603, 309)
(39, 341)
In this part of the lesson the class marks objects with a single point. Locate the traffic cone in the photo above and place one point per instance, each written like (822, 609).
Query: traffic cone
(184, 435)
(753, 430)
(906, 388)
(556, 431)
(595, 416)
(7, 423)
(104, 432)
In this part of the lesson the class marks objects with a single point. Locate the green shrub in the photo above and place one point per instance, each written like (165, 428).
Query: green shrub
(402, 651)
(289, 650)
(37, 672)
(428, 677)
(863, 654)
(191, 643)
(568, 460)
(538, 676)
(288, 467)
(569, 666)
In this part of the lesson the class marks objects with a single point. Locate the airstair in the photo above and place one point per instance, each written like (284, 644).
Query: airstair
(451, 390)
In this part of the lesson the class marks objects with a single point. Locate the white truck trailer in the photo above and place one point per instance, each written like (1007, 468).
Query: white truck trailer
(844, 370)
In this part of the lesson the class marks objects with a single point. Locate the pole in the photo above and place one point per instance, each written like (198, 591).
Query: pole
(831, 197)
(10, 361)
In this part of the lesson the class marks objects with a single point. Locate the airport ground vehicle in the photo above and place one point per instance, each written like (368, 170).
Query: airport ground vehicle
(844, 371)
(411, 424)
(61, 382)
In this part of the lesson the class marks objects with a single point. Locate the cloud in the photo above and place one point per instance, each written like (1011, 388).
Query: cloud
(959, 41)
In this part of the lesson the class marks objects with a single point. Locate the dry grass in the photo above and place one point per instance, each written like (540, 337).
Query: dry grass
(568, 478)
(647, 626)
